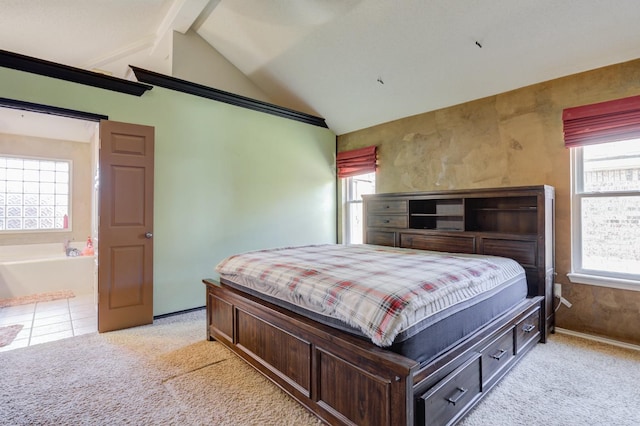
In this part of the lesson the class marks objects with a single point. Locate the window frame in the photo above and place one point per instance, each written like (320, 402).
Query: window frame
(69, 227)
(578, 273)
(348, 189)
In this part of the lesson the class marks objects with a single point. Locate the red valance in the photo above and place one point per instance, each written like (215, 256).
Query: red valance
(356, 162)
(609, 121)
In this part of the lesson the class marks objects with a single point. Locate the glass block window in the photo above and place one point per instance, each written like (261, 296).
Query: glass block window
(34, 194)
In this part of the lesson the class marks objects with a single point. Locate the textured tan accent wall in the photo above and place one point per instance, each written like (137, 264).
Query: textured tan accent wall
(80, 155)
(511, 139)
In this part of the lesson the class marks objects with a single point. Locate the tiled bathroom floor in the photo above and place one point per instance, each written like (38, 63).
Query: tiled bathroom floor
(47, 321)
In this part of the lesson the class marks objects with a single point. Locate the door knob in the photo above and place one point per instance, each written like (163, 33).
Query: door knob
(148, 235)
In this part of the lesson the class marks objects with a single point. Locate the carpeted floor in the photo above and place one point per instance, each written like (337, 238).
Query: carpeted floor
(167, 373)
(567, 381)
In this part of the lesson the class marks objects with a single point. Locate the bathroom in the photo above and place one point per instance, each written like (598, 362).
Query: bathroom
(43, 244)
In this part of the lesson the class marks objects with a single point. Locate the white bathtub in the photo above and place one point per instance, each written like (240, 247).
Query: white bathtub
(41, 268)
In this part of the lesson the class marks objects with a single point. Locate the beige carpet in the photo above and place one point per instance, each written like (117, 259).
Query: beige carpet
(33, 298)
(567, 381)
(168, 374)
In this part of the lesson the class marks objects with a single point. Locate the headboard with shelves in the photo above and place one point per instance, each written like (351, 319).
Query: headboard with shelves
(515, 222)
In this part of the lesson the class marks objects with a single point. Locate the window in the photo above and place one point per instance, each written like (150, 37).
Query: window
(606, 213)
(357, 169)
(604, 139)
(354, 188)
(34, 194)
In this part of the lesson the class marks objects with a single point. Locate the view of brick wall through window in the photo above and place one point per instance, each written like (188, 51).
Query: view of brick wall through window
(611, 212)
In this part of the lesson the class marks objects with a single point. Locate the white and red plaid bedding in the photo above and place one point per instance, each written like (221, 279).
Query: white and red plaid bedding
(378, 290)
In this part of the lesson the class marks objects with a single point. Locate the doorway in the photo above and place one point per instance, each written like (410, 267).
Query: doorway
(120, 209)
(46, 293)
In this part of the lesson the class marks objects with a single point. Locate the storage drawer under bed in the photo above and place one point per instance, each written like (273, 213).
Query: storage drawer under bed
(453, 395)
(448, 400)
(528, 330)
(496, 357)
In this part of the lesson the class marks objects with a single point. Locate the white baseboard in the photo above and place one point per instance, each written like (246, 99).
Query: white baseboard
(598, 339)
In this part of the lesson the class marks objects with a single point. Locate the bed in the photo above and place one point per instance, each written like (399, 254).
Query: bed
(328, 345)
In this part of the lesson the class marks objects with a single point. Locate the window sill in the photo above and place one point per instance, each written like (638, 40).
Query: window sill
(618, 283)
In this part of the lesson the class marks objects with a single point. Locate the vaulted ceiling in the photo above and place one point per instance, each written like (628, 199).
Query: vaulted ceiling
(356, 63)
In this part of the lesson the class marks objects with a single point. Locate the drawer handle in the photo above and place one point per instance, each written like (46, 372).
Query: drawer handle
(459, 394)
(386, 221)
(528, 328)
(498, 354)
(387, 207)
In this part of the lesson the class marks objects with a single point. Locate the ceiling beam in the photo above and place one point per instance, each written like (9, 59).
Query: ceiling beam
(180, 17)
(124, 51)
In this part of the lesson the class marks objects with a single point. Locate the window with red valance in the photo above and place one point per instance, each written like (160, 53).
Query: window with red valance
(356, 162)
(603, 122)
(605, 188)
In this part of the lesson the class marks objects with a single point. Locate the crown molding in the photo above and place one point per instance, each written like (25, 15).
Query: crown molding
(48, 109)
(76, 75)
(184, 86)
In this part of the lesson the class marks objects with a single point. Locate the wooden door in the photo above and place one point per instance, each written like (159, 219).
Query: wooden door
(125, 230)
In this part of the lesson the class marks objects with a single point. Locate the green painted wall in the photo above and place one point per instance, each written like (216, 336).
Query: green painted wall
(227, 179)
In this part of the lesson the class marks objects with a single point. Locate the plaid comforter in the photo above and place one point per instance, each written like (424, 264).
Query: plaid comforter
(378, 290)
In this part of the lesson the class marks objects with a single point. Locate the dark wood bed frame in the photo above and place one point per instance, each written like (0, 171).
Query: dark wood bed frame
(346, 380)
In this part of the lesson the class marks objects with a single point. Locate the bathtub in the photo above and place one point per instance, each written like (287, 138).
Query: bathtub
(40, 268)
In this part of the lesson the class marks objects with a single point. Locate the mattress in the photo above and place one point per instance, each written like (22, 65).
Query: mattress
(414, 302)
